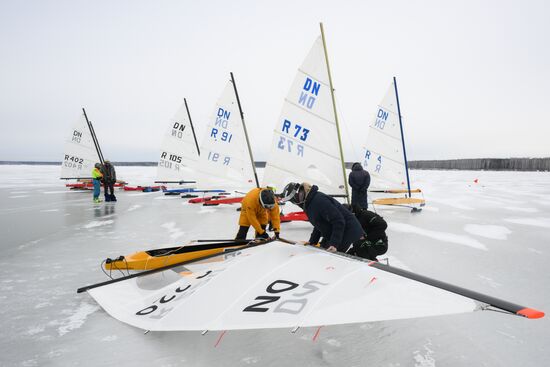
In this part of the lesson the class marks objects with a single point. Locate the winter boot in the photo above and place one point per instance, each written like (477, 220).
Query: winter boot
(113, 197)
(97, 200)
(107, 197)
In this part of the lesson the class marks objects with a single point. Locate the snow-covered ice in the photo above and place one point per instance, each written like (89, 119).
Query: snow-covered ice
(491, 237)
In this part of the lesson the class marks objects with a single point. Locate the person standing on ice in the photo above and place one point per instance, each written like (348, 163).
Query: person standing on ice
(359, 180)
(109, 180)
(96, 178)
(255, 207)
(331, 220)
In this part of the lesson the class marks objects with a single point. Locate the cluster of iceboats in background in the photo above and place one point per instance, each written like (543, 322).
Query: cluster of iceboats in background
(225, 285)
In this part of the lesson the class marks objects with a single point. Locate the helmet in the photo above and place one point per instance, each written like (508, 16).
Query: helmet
(267, 198)
(295, 193)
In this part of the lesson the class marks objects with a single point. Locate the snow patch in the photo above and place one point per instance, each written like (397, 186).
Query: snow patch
(109, 338)
(206, 210)
(250, 360)
(521, 209)
(96, 223)
(133, 207)
(535, 251)
(174, 232)
(334, 343)
(35, 330)
(489, 281)
(18, 196)
(442, 236)
(488, 231)
(78, 318)
(535, 222)
(425, 359)
(49, 210)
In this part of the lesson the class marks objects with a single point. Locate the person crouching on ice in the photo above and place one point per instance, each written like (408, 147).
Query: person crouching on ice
(376, 241)
(254, 212)
(96, 177)
(335, 224)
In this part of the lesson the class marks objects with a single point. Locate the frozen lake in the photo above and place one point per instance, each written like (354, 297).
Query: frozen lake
(491, 236)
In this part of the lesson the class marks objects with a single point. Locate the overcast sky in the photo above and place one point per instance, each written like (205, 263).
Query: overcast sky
(473, 75)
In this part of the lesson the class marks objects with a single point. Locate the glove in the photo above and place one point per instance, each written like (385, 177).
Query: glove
(277, 235)
(331, 249)
(264, 236)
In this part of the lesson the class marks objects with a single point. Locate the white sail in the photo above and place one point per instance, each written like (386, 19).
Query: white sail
(80, 153)
(272, 286)
(383, 151)
(224, 160)
(305, 140)
(178, 154)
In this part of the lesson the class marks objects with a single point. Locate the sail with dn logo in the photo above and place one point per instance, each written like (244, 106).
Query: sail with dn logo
(279, 285)
(384, 154)
(306, 144)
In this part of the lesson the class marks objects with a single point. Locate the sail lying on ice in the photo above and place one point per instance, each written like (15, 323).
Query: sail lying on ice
(305, 141)
(179, 151)
(384, 153)
(80, 153)
(224, 158)
(273, 286)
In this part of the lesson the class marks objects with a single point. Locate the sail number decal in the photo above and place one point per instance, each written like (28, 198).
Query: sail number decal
(165, 303)
(309, 93)
(366, 161)
(170, 161)
(177, 130)
(77, 136)
(221, 124)
(72, 161)
(297, 131)
(279, 300)
(381, 119)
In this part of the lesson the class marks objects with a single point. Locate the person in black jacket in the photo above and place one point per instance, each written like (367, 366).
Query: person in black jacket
(376, 242)
(359, 180)
(335, 224)
(109, 180)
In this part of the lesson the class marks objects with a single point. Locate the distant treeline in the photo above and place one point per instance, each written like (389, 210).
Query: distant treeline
(488, 164)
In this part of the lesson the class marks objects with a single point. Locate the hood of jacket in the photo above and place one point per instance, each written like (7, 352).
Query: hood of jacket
(357, 167)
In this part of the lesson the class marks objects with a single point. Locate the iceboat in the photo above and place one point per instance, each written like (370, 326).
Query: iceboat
(385, 157)
(157, 258)
(81, 153)
(283, 285)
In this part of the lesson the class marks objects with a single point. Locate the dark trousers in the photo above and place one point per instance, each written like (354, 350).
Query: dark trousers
(243, 231)
(109, 188)
(368, 250)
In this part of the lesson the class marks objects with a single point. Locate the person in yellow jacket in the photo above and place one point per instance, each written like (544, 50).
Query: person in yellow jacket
(96, 177)
(255, 207)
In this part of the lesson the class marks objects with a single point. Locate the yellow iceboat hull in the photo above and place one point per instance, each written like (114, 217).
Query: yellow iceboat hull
(153, 259)
(399, 201)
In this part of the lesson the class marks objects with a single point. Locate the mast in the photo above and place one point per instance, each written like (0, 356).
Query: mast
(335, 115)
(192, 128)
(245, 132)
(402, 136)
(94, 138)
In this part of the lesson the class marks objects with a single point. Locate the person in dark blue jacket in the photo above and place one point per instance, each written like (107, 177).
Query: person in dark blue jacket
(359, 180)
(331, 221)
